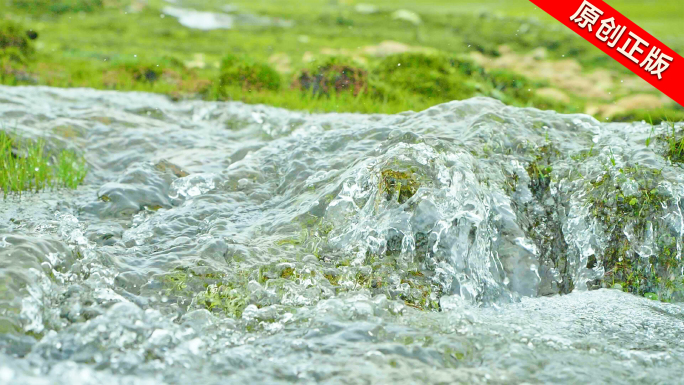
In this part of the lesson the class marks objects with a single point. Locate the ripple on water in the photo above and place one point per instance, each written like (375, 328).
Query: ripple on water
(217, 242)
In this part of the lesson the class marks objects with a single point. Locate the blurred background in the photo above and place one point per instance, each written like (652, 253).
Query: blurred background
(381, 56)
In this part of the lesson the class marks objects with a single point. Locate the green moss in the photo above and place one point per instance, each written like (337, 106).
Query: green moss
(420, 295)
(516, 89)
(440, 77)
(142, 72)
(228, 299)
(540, 219)
(628, 220)
(185, 282)
(246, 74)
(332, 76)
(651, 296)
(289, 241)
(539, 170)
(433, 76)
(584, 154)
(175, 282)
(397, 186)
(287, 273)
(334, 279)
(214, 291)
(29, 166)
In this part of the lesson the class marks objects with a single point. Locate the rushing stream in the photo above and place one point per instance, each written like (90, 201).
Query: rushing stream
(216, 243)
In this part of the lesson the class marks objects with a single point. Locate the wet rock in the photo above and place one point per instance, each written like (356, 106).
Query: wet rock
(166, 166)
(142, 186)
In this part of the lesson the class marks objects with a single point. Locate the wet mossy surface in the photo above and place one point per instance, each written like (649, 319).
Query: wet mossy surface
(633, 218)
(630, 209)
(539, 170)
(231, 293)
(398, 186)
(206, 288)
(544, 221)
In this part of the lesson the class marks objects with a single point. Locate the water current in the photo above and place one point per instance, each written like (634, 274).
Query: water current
(216, 243)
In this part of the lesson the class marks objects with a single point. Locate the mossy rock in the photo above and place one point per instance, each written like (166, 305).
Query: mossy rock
(433, 76)
(334, 75)
(247, 75)
(398, 186)
(439, 77)
(539, 170)
(147, 73)
(628, 220)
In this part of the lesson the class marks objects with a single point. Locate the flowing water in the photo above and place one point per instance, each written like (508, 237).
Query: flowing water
(217, 243)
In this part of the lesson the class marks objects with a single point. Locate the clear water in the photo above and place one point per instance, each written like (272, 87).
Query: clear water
(218, 243)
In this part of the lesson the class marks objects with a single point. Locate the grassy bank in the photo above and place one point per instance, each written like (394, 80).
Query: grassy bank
(27, 165)
(397, 61)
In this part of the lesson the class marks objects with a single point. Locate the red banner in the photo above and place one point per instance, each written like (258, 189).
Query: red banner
(623, 40)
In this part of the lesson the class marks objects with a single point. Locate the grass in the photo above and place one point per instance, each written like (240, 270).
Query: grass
(675, 144)
(28, 166)
(108, 45)
(58, 6)
(674, 140)
(655, 116)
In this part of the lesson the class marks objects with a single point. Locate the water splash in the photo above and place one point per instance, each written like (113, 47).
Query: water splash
(256, 244)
